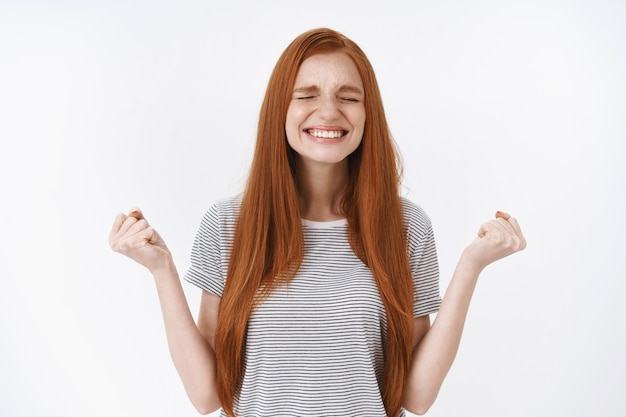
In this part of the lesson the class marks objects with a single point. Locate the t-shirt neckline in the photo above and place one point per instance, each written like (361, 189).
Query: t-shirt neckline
(324, 225)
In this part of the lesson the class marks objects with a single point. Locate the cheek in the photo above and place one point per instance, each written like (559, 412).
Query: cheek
(357, 118)
(291, 126)
(359, 124)
(295, 118)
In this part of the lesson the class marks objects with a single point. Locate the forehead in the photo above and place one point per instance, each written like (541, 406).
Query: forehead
(326, 70)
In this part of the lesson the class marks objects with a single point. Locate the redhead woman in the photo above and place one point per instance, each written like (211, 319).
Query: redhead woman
(319, 279)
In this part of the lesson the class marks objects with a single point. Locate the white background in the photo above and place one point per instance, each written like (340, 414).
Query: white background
(104, 106)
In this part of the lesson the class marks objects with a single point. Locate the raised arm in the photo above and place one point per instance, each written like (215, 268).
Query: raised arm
(437, 346)
(190, 346)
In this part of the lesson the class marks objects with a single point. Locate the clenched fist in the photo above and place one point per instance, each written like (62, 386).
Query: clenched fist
(496, 239)
(131, 235)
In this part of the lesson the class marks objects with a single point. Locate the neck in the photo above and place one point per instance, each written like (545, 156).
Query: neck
(321, 190)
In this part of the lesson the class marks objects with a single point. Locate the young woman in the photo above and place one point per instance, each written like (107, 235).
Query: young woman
(318, 280)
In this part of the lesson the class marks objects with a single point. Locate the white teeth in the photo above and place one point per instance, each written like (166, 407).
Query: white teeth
(329, 134)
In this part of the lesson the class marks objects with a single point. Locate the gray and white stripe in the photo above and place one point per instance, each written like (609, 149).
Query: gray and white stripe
(315, 347)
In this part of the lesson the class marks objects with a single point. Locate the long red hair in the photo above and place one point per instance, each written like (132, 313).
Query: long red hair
(268, 242)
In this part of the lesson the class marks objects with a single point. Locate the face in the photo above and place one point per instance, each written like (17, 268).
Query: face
(326, 115)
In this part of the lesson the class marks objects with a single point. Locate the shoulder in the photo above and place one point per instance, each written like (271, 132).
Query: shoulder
(418, 227)
(228, 204)
(220, 219)
(414, 215)
(420, 238)
(224, 210)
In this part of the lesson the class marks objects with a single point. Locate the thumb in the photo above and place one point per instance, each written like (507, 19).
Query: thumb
(136, 213)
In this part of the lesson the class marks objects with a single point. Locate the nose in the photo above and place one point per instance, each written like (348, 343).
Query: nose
(328, 108)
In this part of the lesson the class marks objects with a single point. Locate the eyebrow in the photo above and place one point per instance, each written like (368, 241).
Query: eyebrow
(346, 88)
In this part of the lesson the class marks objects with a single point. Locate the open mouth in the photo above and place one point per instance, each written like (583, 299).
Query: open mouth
(326, 134)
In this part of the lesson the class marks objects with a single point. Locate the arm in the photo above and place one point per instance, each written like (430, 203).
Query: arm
(436, 347)
(190, 347)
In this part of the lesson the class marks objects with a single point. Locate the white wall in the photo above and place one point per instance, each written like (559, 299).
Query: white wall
(496, 105)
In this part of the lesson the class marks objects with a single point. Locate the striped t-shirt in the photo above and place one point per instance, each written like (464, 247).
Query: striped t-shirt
(315, 346)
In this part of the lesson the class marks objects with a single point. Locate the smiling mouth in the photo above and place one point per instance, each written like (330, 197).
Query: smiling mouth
(326, 134)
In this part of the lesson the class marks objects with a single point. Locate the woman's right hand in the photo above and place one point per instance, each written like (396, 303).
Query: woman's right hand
(131, 235)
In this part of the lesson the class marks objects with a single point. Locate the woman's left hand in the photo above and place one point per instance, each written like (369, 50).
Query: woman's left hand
(496, 239)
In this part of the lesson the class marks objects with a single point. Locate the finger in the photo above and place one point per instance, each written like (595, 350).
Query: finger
(138, 226)
(129, 221)
(509, 230)
(494, 226)
(134, 241)
(518, 230)
(117, 224)
(502, 215)
(136, 213)
(515, 225)
(509, 221)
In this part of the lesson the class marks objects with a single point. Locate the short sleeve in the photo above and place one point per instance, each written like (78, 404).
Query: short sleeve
(211, 248)
(423, 260)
